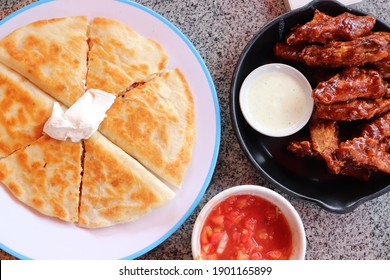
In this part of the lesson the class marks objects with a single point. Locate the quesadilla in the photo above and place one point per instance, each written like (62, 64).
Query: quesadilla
(155, 124)
(24, 111)
(46, 175)
(119, 56)
(52, 54)
(115, 187)
(149, 132)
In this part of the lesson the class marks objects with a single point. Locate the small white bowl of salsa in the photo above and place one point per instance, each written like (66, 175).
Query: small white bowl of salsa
(276, 100)
(248, 222)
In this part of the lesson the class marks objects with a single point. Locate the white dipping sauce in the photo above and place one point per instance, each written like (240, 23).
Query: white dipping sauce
(276, 100)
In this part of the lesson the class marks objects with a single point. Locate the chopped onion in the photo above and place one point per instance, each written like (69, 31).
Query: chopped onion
(222, 244)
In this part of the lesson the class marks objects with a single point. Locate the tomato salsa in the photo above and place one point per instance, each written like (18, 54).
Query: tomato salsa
(245, 227)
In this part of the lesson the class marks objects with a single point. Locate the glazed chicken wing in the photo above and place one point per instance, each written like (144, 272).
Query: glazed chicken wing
(324, 139)
(383, 66)
(282, 50)
(352, 92)
(350, 84)
(386, 144)
(305, 149)
(356, 109)
(302, 149)
(366, 153)
(324, 29)
(378, 129)
(370, 48)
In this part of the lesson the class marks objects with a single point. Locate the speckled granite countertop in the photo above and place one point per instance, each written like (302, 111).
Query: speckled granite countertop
(220, 29)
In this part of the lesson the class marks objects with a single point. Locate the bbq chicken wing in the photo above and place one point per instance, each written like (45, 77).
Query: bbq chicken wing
(353, 110)
(367, 49)
(324, 29)
(366, 153)
(378, 129)
(303, 149)
(324, 140)
(352, 92)
(282, 50)
(383, 66)
(350, 84)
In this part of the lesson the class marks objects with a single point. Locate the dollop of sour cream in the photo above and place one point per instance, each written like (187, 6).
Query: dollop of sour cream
(276, 100)
(82, 119)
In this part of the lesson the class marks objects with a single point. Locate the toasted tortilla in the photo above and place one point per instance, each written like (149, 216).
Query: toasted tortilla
(46, 176)
(24, 109)
(119, 56)
(155, 123)
(52, 54)
(115, 187)
(149, 130)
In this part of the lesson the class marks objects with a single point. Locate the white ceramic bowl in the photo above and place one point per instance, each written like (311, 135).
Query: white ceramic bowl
(291, 215)
(282, 103)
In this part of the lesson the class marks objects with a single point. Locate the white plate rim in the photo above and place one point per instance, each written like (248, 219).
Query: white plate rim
(216, 112)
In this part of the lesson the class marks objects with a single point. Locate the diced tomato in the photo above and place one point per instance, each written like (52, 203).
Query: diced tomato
(234, 216)
(210, 257)
(256, 256)
(242, 256)
(245, 235)
(241, 202)
(246, 227)
(250, 224)
(262, 234)
(218, 220)
(218, 229)
(231, 200)
(216, 238)
(272, 214)
(250, 200)
(236, 237)
(250, 244)
(204, 238)
(258, 248)
(209, 231)
(208, 248)
(274, 255)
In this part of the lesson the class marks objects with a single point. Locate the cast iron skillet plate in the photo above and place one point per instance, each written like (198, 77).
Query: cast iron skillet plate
(305, 178)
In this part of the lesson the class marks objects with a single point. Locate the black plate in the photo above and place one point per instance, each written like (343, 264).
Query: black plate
(306, 178)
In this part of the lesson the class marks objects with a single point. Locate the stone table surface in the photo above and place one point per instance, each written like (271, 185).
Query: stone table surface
(219, 30)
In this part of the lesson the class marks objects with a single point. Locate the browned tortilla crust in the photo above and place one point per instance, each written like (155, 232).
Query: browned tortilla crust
(46, 175)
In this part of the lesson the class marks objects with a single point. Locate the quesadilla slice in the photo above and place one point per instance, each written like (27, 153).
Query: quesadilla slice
(115, 187)
(52, 54)
(46, 176)
(24, 111)
(119, 56)
(155, 123)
